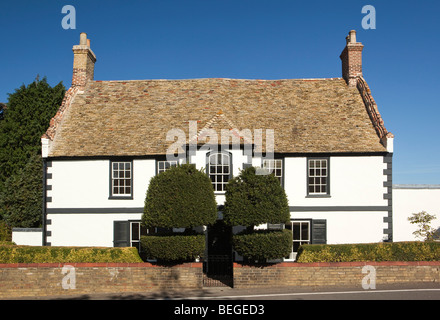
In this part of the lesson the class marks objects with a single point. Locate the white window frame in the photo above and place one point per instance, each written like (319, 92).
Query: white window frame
(163, 164)
(300, 240)
(316, 175)
(218, 178)
(274, 166)
(116, 178)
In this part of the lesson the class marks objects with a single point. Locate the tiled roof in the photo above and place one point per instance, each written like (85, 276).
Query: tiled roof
(132, 118)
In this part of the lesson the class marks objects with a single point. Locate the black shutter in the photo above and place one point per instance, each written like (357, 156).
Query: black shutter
(319, 231)
(121, 234)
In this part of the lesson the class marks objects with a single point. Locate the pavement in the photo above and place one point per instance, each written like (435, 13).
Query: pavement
(410, 291)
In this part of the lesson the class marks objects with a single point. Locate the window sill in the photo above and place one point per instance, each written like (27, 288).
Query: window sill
(120, 198)
(318, 196)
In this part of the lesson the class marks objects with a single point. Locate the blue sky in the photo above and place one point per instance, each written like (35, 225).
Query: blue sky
(246, 39)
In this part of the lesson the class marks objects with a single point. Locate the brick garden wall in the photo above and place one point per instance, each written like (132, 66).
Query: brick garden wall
(48, 279)
(334, 274)
(20, 280)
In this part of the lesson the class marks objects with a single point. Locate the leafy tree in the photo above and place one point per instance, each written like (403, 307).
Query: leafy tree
(29, 111)
(423, 222)
(2, 111)
(21, 200)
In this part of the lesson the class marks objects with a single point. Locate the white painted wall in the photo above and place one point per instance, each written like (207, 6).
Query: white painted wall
(85, 184)
(409, 199)
(354, 181)
(85, 229)
(27, 236)
(349, 227)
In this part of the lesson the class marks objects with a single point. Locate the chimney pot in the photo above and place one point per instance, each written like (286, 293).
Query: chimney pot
(88, 43)
(83, 38)
(352, 36)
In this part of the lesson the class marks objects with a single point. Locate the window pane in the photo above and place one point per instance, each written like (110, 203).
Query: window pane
(135, 231)
(304, 231)
(296, 231)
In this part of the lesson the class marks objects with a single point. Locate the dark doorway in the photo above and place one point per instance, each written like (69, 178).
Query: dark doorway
(218, 265)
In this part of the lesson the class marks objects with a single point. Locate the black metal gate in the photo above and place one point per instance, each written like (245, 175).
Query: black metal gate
(218, 265)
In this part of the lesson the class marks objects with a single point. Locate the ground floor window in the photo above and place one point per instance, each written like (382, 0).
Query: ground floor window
(300, 234)
(128, 234)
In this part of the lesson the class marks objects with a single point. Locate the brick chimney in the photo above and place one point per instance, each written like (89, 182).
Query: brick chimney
(83, 62)
(351, 58)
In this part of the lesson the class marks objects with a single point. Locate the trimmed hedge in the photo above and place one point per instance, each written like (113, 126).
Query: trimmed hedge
(180, 197)
(253, 199)
(31, 254)
(174, 247)
(383, 251)
(263, 245)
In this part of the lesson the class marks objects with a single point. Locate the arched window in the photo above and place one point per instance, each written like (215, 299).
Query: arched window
(219, 170)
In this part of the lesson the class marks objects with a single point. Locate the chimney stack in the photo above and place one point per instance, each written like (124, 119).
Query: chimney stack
(351, 58)
(83, 62)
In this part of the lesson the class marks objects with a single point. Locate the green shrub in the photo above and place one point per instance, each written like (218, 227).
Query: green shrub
(174, 247)
(31, 254)
(263, 245)
(253, 199)
(180, 197)
(5, 232)
(384, 251)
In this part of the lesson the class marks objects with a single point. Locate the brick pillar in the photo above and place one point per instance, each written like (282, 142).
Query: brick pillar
(351, 58)
(83, 62)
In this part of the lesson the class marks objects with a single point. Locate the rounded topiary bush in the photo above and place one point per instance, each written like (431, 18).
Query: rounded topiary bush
(253, 199)
(181, 197)
(262, 245)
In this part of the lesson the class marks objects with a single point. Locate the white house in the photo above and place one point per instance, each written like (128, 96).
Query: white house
(323, 138)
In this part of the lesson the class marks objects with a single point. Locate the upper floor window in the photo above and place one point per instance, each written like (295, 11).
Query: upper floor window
(165, 165)
(318, 176)
(275, 167)
(121, 179)
(219, 170)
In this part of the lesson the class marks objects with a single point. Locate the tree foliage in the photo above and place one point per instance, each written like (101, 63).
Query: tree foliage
(21, 199)
(29, 111)
(253, 199)
(181, 197)
(423, 221)
(27, 117)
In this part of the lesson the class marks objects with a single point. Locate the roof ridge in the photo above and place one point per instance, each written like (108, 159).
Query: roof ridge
(232, 79)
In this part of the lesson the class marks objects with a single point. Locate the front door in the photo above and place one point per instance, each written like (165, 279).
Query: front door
(218, 267)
